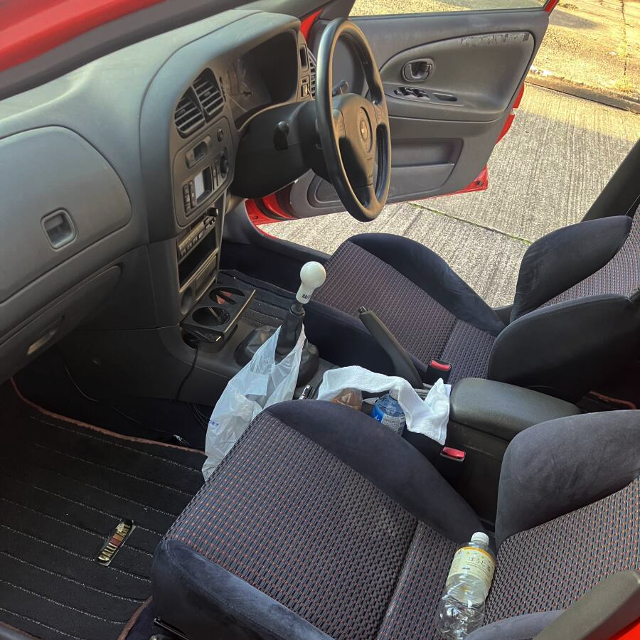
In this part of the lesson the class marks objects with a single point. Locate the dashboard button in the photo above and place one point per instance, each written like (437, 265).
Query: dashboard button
(224, 165)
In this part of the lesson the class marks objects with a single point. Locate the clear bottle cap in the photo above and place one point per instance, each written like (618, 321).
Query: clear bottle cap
(480, 538)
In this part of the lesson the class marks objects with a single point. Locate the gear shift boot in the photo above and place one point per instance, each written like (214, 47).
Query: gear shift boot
(312, 275)
(308, 363)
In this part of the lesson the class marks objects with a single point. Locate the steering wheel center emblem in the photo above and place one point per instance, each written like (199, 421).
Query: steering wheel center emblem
(364, 129)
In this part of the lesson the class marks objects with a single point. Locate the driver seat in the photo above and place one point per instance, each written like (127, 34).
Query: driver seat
(574, 321)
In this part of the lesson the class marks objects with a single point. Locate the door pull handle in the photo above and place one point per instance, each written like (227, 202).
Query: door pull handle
(417, 70)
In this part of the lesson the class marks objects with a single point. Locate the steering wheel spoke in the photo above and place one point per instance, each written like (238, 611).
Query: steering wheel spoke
(381, 114)
(338, 124)
(354, 132)
(358, 164)
(367, 195)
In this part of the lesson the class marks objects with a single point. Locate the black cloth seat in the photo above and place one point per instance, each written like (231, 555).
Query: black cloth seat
(322, 523)
(574, 321)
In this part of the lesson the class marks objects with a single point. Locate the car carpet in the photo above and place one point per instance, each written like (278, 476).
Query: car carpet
(49, 383)
(64, 489)
(270, 303)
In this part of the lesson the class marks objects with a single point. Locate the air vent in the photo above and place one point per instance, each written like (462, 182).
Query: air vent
(188, 117)
(312, 69)
(208, 93)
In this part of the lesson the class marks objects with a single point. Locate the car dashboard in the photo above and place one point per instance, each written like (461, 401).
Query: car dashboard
(119, 175)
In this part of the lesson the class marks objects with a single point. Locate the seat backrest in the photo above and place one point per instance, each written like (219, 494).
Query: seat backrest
(568, 511)
(594, 257)
(600, 255)
(620, 276)
(575, 320)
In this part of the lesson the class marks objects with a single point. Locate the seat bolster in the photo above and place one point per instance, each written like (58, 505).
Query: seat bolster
(205, 601)
(562, 465)
(386, 460)
(433, 275)
(524, 627)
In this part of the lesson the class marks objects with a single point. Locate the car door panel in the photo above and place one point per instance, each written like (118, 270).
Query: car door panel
(472, 80)
(443, 137)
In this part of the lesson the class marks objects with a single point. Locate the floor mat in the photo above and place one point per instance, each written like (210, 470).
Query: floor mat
(64, 488)
(270, 303)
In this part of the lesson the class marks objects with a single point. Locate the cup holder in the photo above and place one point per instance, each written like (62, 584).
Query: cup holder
(226, 295)
(216, 316)
(211, 316)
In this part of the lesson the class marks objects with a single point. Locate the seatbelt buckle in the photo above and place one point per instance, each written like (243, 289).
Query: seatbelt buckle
(450, 462)
(437, 369)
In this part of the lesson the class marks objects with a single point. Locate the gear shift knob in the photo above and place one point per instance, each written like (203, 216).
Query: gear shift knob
(312, 276)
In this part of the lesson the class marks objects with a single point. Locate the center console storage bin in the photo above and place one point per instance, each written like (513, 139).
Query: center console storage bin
(485, 416)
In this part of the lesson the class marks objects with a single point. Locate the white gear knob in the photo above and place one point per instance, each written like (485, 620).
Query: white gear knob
(312, 276)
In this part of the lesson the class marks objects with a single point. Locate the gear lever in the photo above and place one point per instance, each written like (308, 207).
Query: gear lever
(312, 276)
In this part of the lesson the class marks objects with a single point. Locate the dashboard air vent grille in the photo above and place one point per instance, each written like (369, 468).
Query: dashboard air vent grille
(188, 117)
(312, 69)
(208, 93)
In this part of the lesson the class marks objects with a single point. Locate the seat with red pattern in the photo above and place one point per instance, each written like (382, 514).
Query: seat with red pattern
(321, 523)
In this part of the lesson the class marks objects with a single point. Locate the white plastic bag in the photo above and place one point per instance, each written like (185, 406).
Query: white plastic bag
(428, 417)
(261, 383)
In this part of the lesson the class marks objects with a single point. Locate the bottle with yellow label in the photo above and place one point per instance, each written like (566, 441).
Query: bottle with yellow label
(461, 608)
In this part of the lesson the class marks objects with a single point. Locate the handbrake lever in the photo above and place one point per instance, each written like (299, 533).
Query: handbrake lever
(402, 363)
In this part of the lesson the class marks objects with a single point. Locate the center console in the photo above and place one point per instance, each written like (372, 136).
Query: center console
(485, 416)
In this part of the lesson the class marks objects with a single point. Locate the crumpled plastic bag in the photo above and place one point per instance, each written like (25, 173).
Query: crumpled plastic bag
(261, 383)
(428, 417)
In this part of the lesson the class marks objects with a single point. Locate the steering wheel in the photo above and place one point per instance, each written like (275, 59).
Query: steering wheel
(354, 131)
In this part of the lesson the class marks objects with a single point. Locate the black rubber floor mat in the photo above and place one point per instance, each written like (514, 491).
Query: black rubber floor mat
(64, 489)
(270, 303)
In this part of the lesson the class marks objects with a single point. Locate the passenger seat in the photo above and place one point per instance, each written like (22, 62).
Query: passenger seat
(323, 524)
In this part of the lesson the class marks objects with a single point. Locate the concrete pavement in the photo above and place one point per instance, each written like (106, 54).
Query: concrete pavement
(592, 48)
(544, 175)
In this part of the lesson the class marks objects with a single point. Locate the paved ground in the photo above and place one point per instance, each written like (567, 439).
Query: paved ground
(544, 175)
(593, 44)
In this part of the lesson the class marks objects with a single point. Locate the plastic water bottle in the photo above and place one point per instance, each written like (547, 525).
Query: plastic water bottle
(461, 609)
(388, 411)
